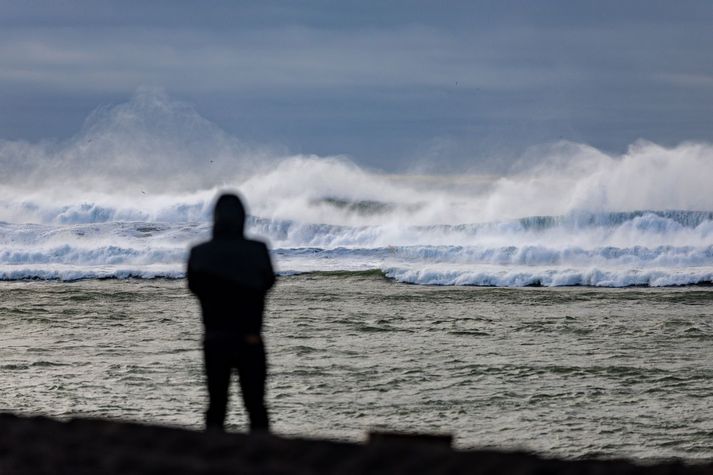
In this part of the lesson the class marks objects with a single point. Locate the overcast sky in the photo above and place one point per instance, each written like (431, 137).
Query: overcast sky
(390, 83)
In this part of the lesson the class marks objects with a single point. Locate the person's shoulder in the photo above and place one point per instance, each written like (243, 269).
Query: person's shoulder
(257, 244)
(198, 248)
(229, 246)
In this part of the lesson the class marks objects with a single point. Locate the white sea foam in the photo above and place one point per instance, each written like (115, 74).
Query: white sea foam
(650, 248)
(134, 189)
(518, 276)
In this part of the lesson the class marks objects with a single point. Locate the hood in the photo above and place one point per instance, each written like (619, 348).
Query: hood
(229, 218)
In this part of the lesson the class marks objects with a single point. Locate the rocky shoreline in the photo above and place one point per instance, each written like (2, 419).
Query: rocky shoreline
(40, 445)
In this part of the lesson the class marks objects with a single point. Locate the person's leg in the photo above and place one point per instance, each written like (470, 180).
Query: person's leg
(217, 372)
(252, 370)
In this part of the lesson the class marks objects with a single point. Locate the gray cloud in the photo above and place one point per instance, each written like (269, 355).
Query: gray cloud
(387, 82)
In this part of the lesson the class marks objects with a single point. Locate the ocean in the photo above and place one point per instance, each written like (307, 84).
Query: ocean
(569, 371)
(563, 306)
(621, 249)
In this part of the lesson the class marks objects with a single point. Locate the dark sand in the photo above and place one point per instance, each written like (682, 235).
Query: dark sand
(85, 446)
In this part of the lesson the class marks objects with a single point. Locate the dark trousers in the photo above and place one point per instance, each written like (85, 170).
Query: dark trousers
(221, 356)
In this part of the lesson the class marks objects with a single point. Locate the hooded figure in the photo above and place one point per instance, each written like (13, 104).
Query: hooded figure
(231, 275)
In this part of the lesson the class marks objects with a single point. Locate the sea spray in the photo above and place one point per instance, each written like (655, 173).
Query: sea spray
(129, 194)
(620, 249)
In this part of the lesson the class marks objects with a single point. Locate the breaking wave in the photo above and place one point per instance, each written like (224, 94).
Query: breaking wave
(134, 190)
(652, 248)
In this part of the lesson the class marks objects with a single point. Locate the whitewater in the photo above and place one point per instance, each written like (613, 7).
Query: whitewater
(129, 194)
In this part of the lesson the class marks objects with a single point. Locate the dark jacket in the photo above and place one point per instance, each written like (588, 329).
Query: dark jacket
(230, 275)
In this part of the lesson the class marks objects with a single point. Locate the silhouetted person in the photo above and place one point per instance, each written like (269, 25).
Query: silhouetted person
(230, 275)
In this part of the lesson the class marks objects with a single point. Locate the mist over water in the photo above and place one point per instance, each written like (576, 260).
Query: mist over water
(134, 189)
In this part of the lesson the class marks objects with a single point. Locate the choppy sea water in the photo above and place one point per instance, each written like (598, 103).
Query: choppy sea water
(570, 371)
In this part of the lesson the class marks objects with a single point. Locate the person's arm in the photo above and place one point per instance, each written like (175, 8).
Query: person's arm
(190, 277)
(270, 277)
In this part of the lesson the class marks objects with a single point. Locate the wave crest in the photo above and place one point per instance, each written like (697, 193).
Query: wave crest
(134, 188)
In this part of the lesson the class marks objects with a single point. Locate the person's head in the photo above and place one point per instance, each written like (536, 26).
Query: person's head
(228, 217)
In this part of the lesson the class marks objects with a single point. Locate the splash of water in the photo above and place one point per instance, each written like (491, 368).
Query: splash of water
(134, 188)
